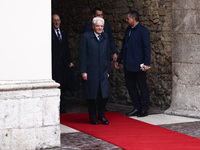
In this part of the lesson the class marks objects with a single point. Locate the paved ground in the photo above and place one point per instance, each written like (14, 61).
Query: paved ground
(74, 140)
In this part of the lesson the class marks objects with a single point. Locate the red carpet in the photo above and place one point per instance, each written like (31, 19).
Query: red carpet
(131, 134)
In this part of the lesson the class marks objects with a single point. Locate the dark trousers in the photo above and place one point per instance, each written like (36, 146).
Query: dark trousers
(100, 103)
(58, 74)
(62, 100)
(138, 90)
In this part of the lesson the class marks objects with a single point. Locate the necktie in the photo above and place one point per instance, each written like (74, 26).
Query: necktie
(99, 38)
(59, 37)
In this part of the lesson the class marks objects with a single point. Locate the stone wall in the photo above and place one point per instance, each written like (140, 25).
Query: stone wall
(29, 112)
(156, 15)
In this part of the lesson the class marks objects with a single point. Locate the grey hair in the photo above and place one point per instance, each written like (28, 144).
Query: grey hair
(95, 19)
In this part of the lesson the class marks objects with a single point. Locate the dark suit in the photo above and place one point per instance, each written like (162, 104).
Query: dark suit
(61, 58)
(135, 51)
(107, 29)
(94, 59)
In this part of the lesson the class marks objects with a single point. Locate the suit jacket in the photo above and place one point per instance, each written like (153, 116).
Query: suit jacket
(136, 48)
(94, 59)
(61, 56)
(107, 29)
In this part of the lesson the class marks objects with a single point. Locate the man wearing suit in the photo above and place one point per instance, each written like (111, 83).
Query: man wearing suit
(61, 57)
(136, 55)
(94, 65)
(98, 12)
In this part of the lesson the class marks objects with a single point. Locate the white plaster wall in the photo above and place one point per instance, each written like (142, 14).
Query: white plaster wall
(25, 39)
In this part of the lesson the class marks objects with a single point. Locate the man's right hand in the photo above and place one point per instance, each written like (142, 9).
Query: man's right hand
(115, 57)
(84, 76)
(116, 65)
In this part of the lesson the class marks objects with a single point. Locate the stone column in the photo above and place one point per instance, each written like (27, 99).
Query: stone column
(29, 98)
(186, 58)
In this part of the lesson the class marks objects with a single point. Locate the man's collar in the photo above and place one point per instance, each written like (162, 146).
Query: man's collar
(135, 25)
(56, 29)
(96, 34)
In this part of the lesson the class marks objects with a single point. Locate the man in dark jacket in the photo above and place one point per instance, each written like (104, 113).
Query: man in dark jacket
(136, 55)
(98, 12)
(61, 57)
(94, 63)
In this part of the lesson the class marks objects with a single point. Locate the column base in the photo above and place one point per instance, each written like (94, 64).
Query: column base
(183, 112)
(29, 112)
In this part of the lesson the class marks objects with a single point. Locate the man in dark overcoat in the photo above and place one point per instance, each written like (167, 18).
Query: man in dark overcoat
(98, 12)
(136, 55)
(94, 63)
(61, 57)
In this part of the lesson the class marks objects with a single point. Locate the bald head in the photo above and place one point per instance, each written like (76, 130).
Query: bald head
(56, 21)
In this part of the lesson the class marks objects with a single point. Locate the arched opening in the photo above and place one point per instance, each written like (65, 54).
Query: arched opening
(155, 15)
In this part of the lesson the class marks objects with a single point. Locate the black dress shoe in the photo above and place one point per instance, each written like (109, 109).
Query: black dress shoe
(94, 122)
(143, 114)
(135, 112)
(103, 120)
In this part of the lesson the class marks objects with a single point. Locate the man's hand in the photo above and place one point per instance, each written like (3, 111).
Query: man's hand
(145, 68)
(71, 65)
(115, 57)
(84, 76)
(116, 65)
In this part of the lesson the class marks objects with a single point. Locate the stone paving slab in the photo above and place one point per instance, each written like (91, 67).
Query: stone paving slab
(82, 141)
(188, 128)
(66, 129)
(159, 119)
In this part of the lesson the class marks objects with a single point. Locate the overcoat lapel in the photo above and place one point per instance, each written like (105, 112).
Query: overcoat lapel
(92, 36)
(102, 37)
